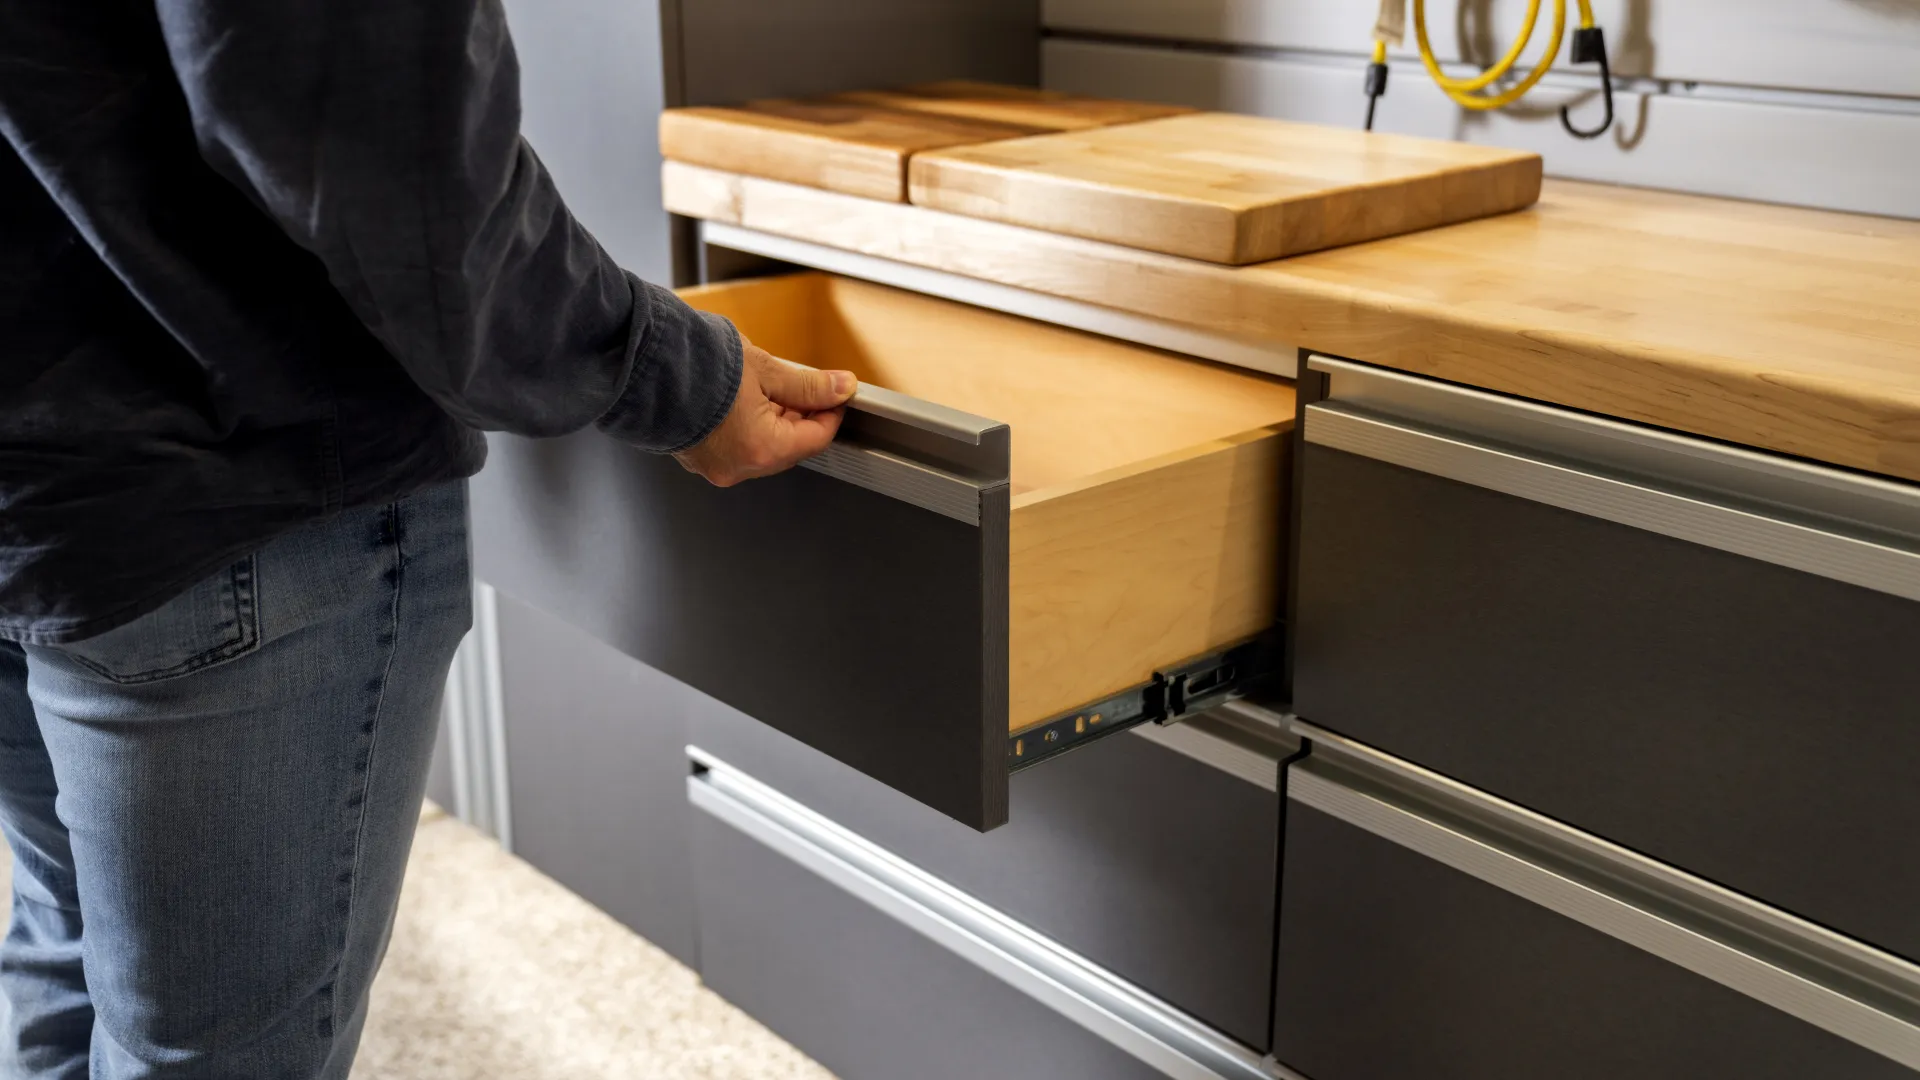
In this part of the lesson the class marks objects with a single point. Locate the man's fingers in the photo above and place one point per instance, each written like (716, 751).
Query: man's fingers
(804, 436)
(804, 388)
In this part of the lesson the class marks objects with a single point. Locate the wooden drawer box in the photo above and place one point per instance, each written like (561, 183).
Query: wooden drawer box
(1025, 537)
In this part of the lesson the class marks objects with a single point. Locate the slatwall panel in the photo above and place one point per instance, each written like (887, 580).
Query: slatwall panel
(1807, 144)
(1851, 46)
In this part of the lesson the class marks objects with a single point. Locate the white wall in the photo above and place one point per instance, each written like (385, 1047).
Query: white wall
(1815, 102)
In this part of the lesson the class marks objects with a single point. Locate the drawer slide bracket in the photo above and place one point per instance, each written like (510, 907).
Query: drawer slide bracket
(1181, 690)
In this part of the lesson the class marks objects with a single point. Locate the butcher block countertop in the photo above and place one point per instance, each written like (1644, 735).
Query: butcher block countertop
(1790, 330)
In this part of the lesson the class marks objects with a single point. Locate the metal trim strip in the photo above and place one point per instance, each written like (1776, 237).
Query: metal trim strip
(930, 416)
(1742, 476)
(1869, 563)
(917, 451)
(1107, 1006)
(897, 477)
(1271, 357)
(1843, 986)
(1241, 739)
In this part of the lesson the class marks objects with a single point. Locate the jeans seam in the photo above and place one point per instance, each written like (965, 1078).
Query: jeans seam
(246, 635)
(366, 771)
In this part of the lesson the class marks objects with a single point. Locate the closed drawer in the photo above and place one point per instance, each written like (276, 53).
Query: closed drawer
(921, 978)
(1101, 853)
(1025, 537)
(1429, 930)
(1700, 652)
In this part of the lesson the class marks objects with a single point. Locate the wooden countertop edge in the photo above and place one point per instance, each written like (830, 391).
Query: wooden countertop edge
(1871, 428)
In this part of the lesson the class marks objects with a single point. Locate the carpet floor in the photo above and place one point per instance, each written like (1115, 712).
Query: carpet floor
(497, 971)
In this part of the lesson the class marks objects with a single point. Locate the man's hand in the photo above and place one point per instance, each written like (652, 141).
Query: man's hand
(783, 414)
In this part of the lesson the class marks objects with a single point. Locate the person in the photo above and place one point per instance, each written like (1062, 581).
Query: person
(267, 271)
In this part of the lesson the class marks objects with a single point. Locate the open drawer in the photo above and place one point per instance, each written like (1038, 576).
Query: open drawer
(1026, 537)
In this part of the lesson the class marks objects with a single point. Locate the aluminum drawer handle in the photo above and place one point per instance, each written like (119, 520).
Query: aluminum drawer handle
(1855, 560)
(1859, 993)
(928, 416)
(919, 452)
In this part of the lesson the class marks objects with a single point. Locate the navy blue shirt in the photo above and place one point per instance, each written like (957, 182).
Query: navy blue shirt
(260, 262)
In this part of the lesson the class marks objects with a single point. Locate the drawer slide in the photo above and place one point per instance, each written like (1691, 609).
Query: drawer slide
(1169, 697)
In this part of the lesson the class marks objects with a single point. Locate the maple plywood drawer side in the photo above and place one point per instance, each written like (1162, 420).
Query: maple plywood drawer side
(1031, 536)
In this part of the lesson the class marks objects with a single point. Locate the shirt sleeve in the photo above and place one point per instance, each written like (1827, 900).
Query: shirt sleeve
(385, 138)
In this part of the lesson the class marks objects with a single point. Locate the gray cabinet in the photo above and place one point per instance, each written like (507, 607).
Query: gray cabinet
(862, 993)
(1703, 653)
(1392, 966)
(596, 760)
(1156, 865)
(881, 969)
(1429, 929)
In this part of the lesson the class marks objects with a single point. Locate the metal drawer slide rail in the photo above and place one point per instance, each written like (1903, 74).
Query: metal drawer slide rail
(1181, 691)
(1854, 991)
(1104, 1004)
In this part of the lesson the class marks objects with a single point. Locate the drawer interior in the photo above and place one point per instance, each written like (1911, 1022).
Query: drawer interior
(1147, 489)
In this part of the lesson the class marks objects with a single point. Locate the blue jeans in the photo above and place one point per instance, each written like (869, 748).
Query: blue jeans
(210, 808)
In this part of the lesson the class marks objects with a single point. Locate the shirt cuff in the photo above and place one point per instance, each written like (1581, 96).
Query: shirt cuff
(685, 373)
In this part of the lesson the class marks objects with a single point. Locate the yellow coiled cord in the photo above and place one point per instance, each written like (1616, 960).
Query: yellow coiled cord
(1472, 93)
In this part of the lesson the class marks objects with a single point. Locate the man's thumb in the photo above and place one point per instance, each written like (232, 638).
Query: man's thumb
(804, 388)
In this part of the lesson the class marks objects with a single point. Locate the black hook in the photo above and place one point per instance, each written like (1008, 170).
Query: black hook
(1589, 44)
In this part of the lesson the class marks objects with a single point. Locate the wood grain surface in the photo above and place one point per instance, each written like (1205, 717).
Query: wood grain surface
(1148, 490)
(1039, 110)
(1128, 572)
(1226, 188)
(847, 147)
(1790, 330)
(1079, 404)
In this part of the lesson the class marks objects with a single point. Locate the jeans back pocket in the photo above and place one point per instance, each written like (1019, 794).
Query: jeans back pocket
(212, 621)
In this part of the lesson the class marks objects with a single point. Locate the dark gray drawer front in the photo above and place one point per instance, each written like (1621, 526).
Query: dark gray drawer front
(596, 762)
(1756, 725)
(1145, 861)
(866, 627)
(861, 993)
(1394, 966)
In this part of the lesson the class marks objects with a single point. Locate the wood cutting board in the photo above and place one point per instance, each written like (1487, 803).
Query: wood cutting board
(843, 146)
(1226, 188)
(1041, 110)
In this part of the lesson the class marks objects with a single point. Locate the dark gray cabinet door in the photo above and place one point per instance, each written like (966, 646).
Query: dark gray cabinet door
(863, 994)
(1393, 966)
(1154, 865)
(1750, 722)
(597, 770)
